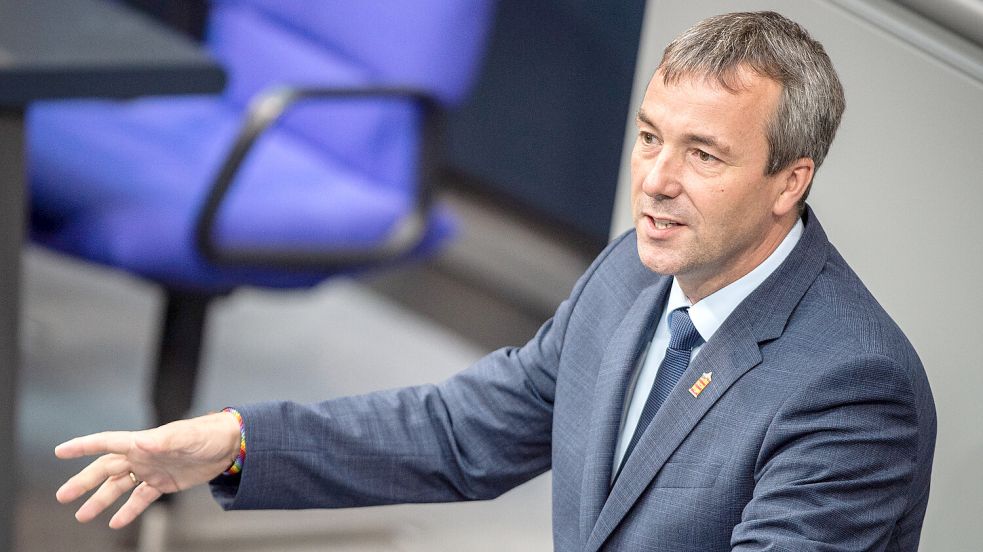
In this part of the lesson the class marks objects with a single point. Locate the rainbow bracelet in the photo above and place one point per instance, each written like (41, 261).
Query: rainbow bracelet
(236, 467)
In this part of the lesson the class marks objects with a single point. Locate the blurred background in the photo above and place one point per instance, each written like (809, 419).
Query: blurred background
(530, 172)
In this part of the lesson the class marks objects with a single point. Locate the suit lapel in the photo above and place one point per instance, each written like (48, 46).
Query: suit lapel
(730, 353)
(614, 373)
(674, 421)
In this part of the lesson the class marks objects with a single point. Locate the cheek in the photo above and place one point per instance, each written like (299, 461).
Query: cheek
(733, 215)
(635, 192)
(635, 174)
(719, 212)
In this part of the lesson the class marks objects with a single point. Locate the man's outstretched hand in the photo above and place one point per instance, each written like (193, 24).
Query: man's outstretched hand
(167, 459)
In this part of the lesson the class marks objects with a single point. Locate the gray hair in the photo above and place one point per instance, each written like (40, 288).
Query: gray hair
(772, 46)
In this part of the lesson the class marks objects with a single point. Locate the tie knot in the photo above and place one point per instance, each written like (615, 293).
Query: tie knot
(682, 332)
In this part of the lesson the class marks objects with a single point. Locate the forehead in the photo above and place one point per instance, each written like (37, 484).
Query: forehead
(694, 103)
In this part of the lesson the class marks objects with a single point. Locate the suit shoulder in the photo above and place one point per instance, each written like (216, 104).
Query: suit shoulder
(617, 274)
(620, 259)
(843, 320)
(612, 283)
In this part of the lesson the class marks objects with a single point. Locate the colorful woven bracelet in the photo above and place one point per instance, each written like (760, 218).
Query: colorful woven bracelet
(236, 466)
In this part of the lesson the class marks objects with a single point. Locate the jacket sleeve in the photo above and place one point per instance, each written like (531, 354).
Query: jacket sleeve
(844, 465)
(474, 436)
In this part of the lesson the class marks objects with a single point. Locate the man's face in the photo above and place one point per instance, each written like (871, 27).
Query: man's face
(702, 205)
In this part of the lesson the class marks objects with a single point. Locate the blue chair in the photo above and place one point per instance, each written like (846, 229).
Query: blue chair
(315, 161)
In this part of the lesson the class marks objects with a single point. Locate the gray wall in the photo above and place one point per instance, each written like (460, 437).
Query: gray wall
(900, 196)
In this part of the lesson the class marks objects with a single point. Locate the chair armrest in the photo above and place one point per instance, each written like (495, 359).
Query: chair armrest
(263, 113)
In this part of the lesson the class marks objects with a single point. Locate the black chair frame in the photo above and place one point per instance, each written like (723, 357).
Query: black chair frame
(185, 312)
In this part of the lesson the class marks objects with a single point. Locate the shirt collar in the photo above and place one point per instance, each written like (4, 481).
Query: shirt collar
(710, 313)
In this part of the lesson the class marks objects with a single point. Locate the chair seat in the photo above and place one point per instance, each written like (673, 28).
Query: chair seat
(124, 213)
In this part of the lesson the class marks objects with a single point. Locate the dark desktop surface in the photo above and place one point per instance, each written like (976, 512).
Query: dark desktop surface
(94, 48)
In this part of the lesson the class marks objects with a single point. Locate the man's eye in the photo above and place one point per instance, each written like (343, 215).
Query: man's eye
(705, 157)
(647, 137)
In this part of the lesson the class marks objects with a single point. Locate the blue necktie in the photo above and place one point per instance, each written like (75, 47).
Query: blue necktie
(683, 338)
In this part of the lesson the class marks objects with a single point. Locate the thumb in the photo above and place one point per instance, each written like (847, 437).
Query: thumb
(153, 442)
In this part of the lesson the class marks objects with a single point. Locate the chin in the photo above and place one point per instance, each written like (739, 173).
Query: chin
(655, 262)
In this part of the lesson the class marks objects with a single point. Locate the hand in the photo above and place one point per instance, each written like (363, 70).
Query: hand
(167, 459)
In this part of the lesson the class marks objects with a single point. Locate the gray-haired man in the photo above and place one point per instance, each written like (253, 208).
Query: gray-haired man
(718, 379)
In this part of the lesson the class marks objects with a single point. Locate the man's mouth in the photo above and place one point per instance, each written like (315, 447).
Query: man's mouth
(663, 224)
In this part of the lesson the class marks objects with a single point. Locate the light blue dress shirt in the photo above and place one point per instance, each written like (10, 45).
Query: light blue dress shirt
(707, 316)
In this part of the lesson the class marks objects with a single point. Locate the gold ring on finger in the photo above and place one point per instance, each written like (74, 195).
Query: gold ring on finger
(133, 478)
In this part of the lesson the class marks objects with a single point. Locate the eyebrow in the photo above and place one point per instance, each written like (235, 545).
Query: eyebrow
(708, 141)
(690, 138)
(641, 116)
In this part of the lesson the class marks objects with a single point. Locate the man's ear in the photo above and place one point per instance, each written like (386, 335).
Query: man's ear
(797, 177)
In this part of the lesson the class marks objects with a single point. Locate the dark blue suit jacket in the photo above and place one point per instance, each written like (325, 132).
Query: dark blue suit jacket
(816, 431)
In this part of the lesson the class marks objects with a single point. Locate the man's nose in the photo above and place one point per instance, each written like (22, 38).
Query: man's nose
(662, 175)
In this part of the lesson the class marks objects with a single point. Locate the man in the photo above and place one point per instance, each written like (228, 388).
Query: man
(719, 379)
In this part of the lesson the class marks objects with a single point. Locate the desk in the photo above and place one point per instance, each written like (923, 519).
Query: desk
(63, 49)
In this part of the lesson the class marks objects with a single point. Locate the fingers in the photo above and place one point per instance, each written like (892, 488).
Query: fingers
(108, 493)
(141, 498)
(115, 442)
(110, 473)
(101, 470)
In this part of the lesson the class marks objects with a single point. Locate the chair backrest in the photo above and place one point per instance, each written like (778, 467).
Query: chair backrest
(430, 45)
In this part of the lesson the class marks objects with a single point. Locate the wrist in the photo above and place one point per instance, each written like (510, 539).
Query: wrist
(237, 441)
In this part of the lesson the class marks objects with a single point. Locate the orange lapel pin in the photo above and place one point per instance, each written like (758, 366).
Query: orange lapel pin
(701, 384)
